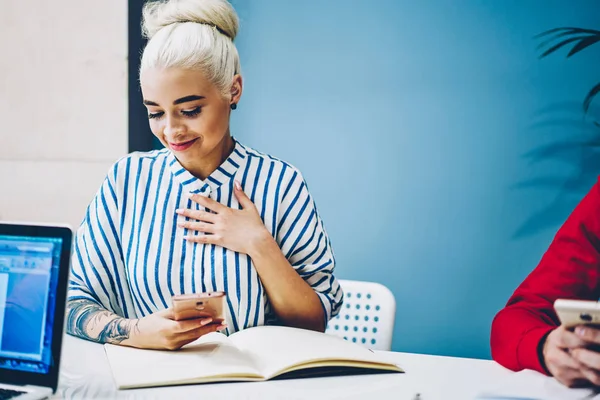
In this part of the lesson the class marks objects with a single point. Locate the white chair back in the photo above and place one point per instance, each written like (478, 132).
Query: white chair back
(367, 315)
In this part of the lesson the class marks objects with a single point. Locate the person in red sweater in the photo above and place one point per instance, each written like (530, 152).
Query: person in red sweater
(526, 333)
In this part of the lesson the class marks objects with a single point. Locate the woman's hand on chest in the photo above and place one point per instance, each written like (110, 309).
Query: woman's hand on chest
(242, 230)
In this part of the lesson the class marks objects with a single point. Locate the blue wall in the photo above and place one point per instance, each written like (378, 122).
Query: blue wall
(427, 132)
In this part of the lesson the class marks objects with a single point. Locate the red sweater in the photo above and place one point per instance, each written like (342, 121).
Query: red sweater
(569, 269)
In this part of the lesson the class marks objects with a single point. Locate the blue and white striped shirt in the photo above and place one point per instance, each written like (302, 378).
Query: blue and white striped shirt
(131, 257)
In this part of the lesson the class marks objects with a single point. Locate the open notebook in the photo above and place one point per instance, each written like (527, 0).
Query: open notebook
(254, 354)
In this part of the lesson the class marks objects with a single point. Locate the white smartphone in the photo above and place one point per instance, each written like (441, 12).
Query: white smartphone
(577, 312)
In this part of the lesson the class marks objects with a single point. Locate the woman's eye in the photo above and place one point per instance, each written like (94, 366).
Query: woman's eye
(191, 113)
(155, 115)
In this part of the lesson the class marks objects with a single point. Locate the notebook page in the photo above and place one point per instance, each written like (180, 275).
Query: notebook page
(211, 355)
(276, 348)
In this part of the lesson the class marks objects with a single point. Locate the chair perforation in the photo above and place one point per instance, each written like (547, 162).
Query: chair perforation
(367, 317)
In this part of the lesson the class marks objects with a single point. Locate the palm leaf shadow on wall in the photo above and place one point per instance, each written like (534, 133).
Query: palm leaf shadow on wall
(581, 149)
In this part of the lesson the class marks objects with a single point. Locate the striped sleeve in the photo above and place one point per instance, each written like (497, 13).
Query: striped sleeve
(302, 238)
(97, 267)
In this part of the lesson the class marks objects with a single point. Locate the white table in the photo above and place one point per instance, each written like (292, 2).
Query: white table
(85, 374)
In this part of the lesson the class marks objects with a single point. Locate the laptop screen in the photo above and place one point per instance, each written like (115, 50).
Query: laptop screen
(29, 269)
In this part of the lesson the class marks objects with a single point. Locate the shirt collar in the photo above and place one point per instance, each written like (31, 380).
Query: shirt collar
(223, 174)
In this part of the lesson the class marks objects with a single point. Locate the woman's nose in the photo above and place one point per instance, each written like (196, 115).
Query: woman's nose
(173, 128)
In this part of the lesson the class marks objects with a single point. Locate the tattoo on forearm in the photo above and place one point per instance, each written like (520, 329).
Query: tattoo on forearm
(115, 331)
(91, 321)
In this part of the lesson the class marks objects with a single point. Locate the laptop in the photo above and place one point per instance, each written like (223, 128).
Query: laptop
(34, 269)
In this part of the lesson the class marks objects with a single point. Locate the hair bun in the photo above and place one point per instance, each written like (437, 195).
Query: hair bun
(217, 13)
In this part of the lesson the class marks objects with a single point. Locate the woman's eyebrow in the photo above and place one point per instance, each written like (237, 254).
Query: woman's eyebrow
(185, 99)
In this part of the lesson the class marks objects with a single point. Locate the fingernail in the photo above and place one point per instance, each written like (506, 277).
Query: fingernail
(179, 210)
(220, 328)
(238, 186)
(580, 331)
(206, 321)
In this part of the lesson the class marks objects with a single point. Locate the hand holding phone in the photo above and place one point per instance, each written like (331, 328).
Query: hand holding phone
(199, 305)
(159, 331)
(572, 351)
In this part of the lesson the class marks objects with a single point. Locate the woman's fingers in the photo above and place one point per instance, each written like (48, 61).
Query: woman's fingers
(181, 327)
(197, 226)
(197, 215)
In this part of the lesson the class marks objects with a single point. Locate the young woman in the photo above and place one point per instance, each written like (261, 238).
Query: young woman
(204, 214)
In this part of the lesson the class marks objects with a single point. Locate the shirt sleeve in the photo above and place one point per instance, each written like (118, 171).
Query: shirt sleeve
(302, 237)
(569, 269)
(97, 267)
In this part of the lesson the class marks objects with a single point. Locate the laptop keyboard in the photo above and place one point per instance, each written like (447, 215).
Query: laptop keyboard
(6, 394)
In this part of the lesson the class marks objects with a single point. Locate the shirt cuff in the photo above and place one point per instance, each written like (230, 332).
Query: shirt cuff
(326, 304)
(529, 351)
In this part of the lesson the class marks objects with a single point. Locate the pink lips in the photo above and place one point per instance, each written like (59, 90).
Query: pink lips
(182, 146)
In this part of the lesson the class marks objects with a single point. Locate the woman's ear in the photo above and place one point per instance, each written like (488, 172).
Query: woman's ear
(236, 89)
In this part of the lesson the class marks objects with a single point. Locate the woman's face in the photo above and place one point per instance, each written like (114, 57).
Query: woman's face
(187, 113)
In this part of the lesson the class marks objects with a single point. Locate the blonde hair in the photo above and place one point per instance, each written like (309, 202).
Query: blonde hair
(192, 34)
